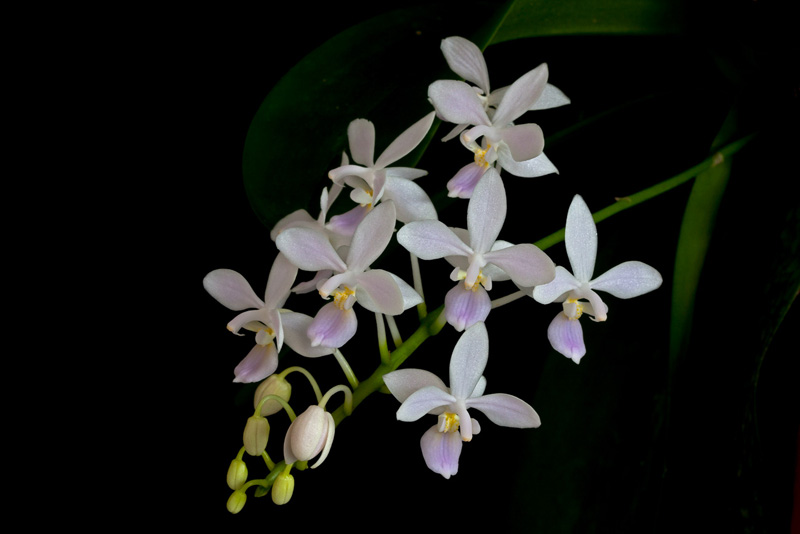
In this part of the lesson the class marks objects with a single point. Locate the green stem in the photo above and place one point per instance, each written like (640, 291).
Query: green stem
(348, 371)
(653, 191)
(309, 376)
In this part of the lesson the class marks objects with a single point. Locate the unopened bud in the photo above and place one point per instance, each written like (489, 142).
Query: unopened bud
(282, 488)
(237, 474)
(256, 434)
(236, 501)
(273, 385)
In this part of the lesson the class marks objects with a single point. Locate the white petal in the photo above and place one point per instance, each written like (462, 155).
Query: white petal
(403, 382)
(408, 173)
(431, 240)
(506, 410)
(563, 283)
(377, 291)
(465, 307)
(423, 401)
(552, 97)
(406, 141)
(330, 431)
(486, 211)
(627, 280)
(521, 96)
(361, 136)
(371, 237)
(524, 142)
(525, 264)
(345, 224)
(531, 168)
(296, 218)
(295, 328)
(468, 361)
(231, 290)
(441, 451)
(282, 275)
(457, 102)
(466, 59)
(259, 363)
(309, 250)
(411, 201)
(410, 296)
(580, 239)
(566, 337)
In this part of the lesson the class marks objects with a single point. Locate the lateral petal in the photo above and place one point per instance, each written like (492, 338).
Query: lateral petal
(406, 141)
(403, 382)
(423, 401)
(520, 96)
(411, 201)
(531, 168)
(525, 264)
(431, 240)
(524, 141)
(457, 102)
(563, 282)
(627, 280)
(506, 410)
(377, 291)
(231, 289)
(309, 250)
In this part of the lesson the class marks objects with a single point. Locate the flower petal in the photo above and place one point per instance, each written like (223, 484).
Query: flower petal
(486, 211)
(441, 451)
(403, 382)
(564, 282)
(371, 237)
(296, 218)
(457, 102)
(361, 136)
(231, 290)
(566, 337)
(330, 431)
(524, 142)
(468, 361)
(295, 328)
(410, 200)
(627, 280)
(406, 141)
(309, 250)
(525, 264)
(552, 97)
(332, 327)
(466, 59)
(423, 401)
(506, 410)
(521, 96)
(580, 239)
(259, 363)
(431, 240)
(465, 307)
(377, 291)
(531, 168)
(282, 275)
(410, 296)
(463, 183)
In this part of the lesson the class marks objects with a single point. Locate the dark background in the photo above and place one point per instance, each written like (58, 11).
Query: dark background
(597, 464)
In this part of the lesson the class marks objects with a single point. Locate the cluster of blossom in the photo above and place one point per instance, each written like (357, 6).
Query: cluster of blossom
(341, 249)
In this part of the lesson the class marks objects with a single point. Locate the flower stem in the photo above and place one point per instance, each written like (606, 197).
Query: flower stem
(314, 385)
(348, 371)
(422, 309)
(398, 340)
(383, 346)
(496, 303)
(655, 190)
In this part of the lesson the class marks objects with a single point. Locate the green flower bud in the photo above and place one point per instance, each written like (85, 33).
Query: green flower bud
(256, 434)
(237, 474)
(236, 501)
(273, 385)
(282, 488)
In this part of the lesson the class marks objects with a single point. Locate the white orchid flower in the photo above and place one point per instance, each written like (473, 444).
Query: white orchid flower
(525, 264)
(374, 180)
(422, 392)
(350, 280)
(516, 148)
(272, 324)
(577, 290)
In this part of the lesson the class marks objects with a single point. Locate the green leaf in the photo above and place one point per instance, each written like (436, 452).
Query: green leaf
(538, 18)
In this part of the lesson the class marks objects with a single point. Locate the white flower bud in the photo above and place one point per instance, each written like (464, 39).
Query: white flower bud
(308, 435)
(273, 385)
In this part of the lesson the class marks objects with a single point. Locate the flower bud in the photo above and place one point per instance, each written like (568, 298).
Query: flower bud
(237, 474)
(273, 385)
(236, 501)
(308, 435)
(256, 434)
(282, 488)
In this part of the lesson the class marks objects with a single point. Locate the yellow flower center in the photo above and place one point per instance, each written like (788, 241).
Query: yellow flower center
(342, 296)
(573, 309)
(448, 422)
(480, 157)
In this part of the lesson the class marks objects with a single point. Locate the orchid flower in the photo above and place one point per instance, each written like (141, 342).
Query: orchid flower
(422, 392)
(271, 324)
(518, 149)
(525, 264)
(350, 279)
(577, 292)
(373, 180)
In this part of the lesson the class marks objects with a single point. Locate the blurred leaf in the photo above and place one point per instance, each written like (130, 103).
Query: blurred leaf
(537, 18)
